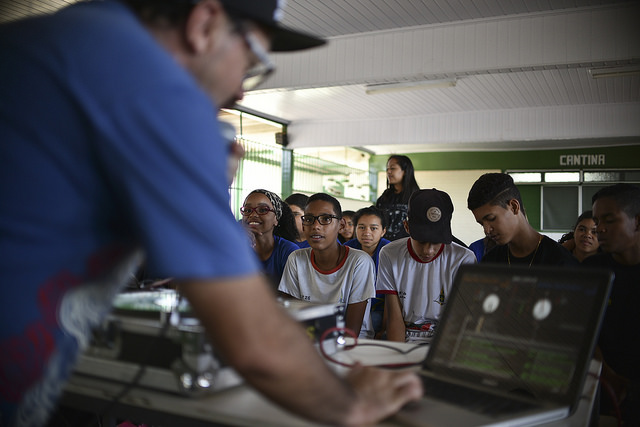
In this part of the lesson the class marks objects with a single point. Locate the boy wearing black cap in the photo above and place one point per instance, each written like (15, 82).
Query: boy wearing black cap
(496, 204)
(416, 273)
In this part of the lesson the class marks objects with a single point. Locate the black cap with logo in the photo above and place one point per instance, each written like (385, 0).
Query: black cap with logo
(430, 214)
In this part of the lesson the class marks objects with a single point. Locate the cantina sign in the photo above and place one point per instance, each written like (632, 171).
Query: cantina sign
(582, 160)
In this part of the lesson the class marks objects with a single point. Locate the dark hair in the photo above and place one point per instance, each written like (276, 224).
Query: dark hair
(371, 210)
(297, 199)
(337, 209)
(174, 13)
(584, 215)
(286, 227)
(348, 213)
(154, 11)
(495, 189)
(626, 196)
(409, 184)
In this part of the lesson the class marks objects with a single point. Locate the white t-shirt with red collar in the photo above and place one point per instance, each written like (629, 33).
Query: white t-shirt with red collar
(422, 287)
(352, 281)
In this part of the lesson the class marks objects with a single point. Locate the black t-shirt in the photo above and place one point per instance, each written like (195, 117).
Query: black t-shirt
(548, 253)
(396, 210)
(620, 332)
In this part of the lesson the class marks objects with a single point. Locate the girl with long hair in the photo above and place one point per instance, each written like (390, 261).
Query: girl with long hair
(394, 202)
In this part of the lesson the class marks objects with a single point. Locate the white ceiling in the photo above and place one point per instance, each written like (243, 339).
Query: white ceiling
(521, 69)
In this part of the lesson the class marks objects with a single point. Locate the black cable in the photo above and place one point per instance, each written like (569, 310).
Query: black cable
(108, 409)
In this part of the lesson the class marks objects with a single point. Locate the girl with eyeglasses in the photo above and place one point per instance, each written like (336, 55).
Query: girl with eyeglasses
(328, 272)
(273, 229)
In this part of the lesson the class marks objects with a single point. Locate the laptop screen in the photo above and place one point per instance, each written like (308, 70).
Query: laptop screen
(519, 329)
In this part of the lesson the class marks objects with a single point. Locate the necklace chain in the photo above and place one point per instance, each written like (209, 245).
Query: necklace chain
(532, 258)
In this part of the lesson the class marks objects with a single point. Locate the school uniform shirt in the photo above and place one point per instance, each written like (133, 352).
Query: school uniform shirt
(274, 265)
(422, 287)
(352, 281)
(375, 308)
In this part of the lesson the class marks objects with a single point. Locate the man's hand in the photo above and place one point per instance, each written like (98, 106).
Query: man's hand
(380, 393)
(276, 357)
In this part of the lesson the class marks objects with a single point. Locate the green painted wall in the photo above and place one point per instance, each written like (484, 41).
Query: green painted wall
(614, 157)
(531, 200)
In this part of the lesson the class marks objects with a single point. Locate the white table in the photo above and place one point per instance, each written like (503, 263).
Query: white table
(243, 406)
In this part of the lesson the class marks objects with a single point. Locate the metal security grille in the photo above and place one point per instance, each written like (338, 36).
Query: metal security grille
(312, 175)
(261, 167)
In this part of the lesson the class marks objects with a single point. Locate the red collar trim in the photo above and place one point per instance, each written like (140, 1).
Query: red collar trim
(414, 256)
(338, 267)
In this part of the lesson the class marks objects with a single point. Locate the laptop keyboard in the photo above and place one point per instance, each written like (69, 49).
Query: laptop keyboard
(473, 400)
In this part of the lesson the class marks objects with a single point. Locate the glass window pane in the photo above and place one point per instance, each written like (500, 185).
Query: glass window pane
(526, 177)
(559, 207)
(601, 176)
(587, 194)
(562, 177)
(632, 176)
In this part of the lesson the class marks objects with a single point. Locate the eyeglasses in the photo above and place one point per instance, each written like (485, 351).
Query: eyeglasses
(322, 219)
(260, 210)
(258, 73)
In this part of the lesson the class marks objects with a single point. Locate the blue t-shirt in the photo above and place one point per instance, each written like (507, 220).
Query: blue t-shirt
(354, 243)
(303, 244)
(478, 248)
(274, 265)
(108, 148)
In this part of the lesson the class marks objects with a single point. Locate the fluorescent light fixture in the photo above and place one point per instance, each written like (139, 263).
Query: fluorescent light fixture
(616, 71)
(405, 86)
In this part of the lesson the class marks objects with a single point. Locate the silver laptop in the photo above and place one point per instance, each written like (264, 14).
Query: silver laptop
(512, 348)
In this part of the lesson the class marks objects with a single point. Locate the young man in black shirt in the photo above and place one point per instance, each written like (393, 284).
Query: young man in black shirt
(496, 204)
(616, 211)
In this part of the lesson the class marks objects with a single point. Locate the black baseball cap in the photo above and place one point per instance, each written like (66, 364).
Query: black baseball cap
(430, 214)
(269, 13)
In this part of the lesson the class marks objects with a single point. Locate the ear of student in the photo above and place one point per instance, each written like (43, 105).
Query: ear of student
(514, 206)
(406, 226)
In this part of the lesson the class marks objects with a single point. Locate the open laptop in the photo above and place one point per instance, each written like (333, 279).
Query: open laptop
(512, 348)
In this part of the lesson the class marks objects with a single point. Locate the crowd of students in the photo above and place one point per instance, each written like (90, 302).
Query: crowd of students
(395, 287)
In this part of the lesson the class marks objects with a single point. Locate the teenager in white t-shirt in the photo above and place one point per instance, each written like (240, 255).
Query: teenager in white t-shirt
(327, 271)
(416, 273)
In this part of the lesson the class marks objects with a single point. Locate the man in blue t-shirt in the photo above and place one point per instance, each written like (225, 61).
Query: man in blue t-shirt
(110, 153)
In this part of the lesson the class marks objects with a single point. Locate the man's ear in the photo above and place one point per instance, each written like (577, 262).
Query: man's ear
(406, 226)
(205, 19)
(342, 224)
